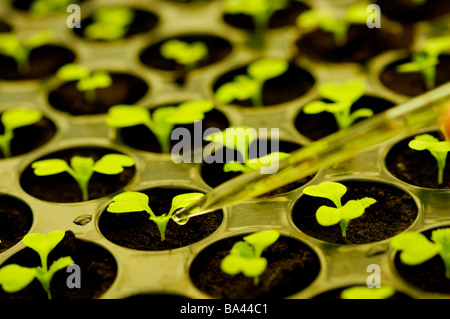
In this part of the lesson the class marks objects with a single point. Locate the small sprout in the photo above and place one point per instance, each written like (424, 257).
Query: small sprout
(343, 97)
(417, 249)
(239, 138)
(435, 46)
(245, 256)
(438, 149)
(427, 60)
(184, 53)
(338, 26)
(82, 168)
(48, 7)
(327, 216)
(87, 80)
(135, 202)
(364, 292)
(109, 24)
(260, 10)
(15, 118)
(162, 121)
(250, 86)
(15, 277)
(19, 50)
(424, 64)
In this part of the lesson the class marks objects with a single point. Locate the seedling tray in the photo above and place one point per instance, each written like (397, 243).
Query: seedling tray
(168, 271)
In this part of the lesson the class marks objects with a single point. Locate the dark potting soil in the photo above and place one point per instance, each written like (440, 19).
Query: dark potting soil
(428, 276)
(62, 188)
(125, 89)
(213, 174)
(413, 84)
(317, 126)
(292, 266)
(408, 11)
(393, 213)
(28, 138)
(5, 27)
(43, 61)
(292, 84)
(144, 21)
(16, 219)
(362, 44)
(336, 294)
(98, 269)
(416, 167)
(140, 137)
(218, 49)
(281, 18)
(136, 231)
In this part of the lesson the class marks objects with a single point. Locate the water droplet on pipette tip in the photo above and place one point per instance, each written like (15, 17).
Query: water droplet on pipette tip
(181, 221)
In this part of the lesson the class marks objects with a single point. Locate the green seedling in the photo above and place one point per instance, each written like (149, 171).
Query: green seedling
(327, 216)
(439, 150)
(82, 168)
(109, 24)
(424, 64)
(184, 53)
(162, 121)
(240, 138)
(135, 202)
(328, 22)
(48, 7)
(416, 248)
(364, 292)
(250, 85)
(343, 97)
(19, 50)
(426, 61)
(260, 10)
(13, 119)
(87, 81)
(14, 277)
(245, 256)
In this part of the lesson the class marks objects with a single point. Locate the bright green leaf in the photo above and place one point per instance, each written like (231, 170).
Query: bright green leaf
(43, 244)
(59, 264)
(267, 68)
(331, 190)
(234, 167)
(327, 216)
(184, 200)
(364, 292)
(436, 45)
(429, 142)
(82, 165)
(351, 90)
(111, 164)
(18, 117)
(114, 15)
(196, 106)
(14, 277)
(72, 72)
(357, 13)
(97, 80)
(50, 167)
(262, 239)
(415, 247)
(129, 202)
(127, 115)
